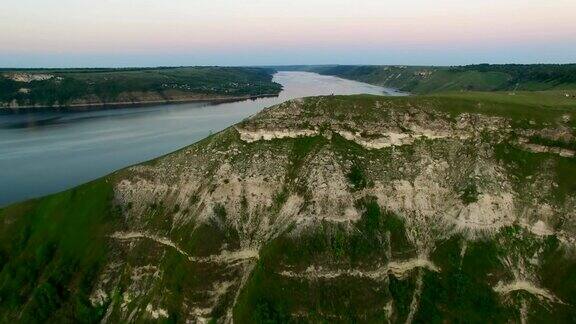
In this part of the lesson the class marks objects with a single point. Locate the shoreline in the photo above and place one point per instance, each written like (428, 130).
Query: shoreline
(127, 104)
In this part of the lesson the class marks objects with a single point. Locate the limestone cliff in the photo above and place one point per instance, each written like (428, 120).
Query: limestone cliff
(339, 209)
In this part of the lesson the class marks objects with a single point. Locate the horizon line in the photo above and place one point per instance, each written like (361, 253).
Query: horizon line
(262, 66)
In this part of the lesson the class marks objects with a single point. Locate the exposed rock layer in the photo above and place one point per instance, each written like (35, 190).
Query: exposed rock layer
(347, 209)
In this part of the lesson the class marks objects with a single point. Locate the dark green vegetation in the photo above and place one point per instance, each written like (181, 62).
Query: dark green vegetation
(63, 87)
(270, 297)
(53, 250)
(157, 240)
(482, 77)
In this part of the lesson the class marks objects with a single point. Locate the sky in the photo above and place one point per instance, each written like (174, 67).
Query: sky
(114, 33)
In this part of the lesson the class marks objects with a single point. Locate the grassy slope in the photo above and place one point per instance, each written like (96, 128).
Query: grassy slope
(108, 85)
(52, 248)
(51, 251)
(423, 80)
(542, 107)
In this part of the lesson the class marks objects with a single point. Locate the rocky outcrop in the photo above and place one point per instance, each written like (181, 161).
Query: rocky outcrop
(288, 171)
(343, 209)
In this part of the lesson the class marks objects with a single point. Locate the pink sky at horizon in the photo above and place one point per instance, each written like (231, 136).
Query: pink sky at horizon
(130, 27)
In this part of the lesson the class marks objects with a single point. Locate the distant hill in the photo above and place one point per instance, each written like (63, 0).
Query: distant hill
(92, 87)
(482, 77)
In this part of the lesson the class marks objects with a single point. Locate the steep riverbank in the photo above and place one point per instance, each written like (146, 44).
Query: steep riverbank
(136, 100)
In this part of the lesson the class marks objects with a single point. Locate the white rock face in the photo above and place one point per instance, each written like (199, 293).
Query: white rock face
(547, 149)
(28, 77)
(386, 139)
(267, 135)
(507, 288)
(490, 212)
(399, 269)
(249, 185)
(156, 313)
(390, 139)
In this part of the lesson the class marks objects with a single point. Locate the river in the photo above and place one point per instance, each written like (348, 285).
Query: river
(49, 151)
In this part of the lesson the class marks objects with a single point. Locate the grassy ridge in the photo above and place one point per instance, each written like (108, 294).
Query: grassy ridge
(68, 86)
(483, 77)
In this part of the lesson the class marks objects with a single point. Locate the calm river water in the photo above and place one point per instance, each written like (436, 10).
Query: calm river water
(46, 152)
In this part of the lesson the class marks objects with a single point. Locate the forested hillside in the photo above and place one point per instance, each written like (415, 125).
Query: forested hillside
(77, 87)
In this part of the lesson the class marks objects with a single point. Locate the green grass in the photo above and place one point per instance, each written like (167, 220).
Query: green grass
(524, 109)
(357, 178)
(469, 194)
(445, 80)
(53, 249)
(523, 165)
(269, 297)
(301, 149)
(463, 289)
(541, 99)
(570, 145)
